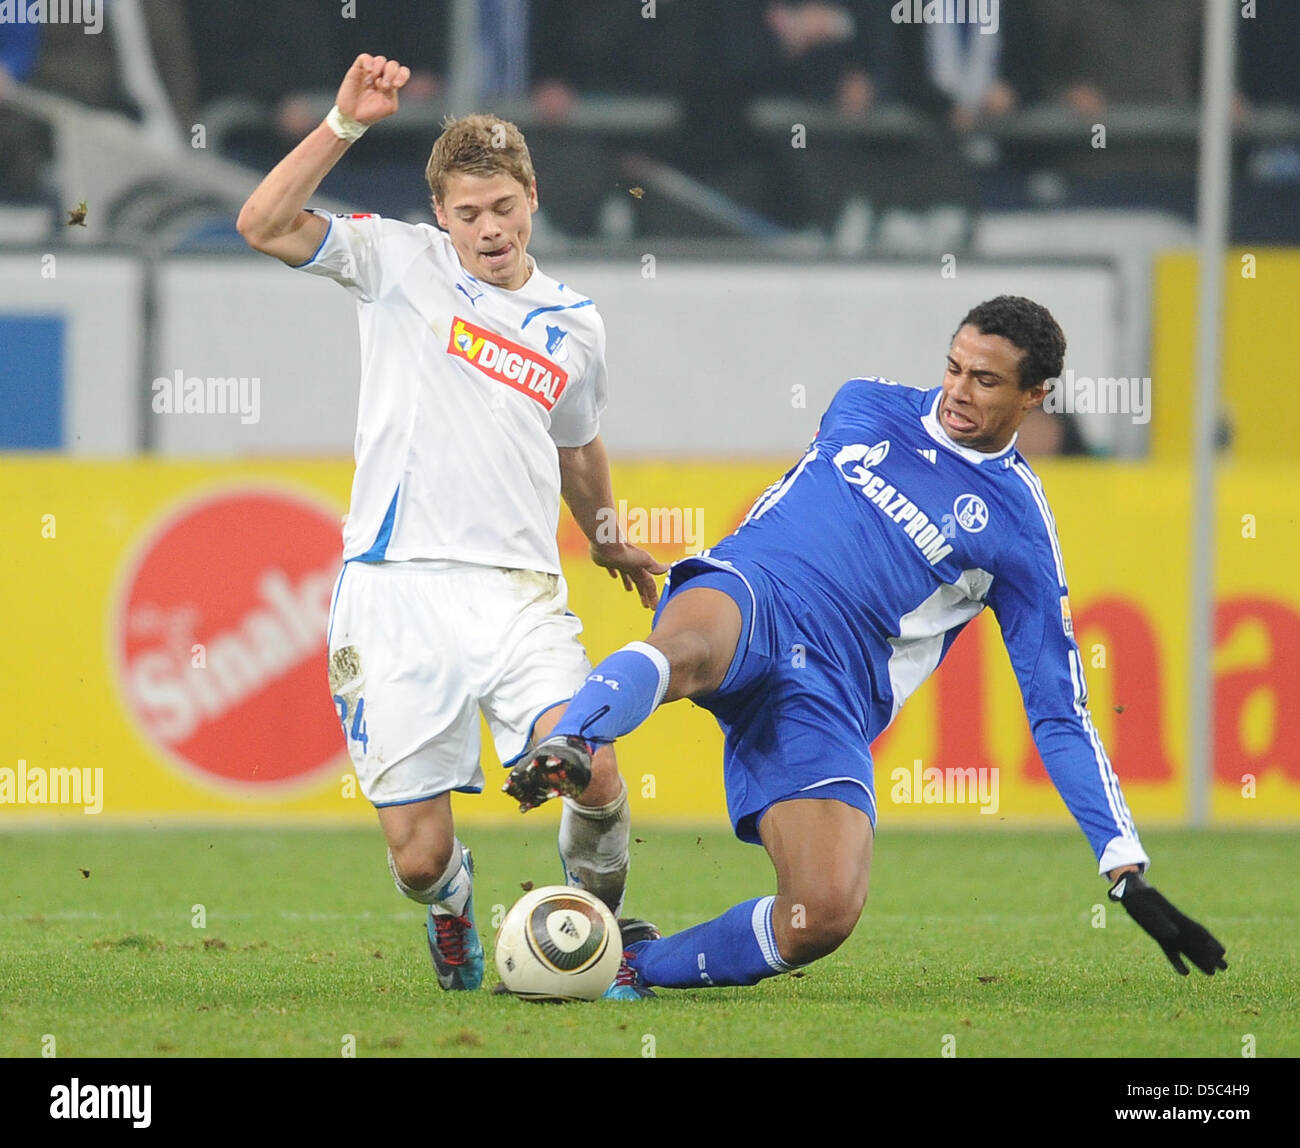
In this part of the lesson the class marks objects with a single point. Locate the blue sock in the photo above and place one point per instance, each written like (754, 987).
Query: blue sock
(738, 948)
(618, 695)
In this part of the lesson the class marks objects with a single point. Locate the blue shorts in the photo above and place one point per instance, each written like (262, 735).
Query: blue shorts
(794, 726)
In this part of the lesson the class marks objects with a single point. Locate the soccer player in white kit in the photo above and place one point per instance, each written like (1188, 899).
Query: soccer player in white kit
(483, 381)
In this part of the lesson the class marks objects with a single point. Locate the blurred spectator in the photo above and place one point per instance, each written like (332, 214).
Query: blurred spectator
(1266, 201)
(963, 75)
(282, 54)
(87, 69)
(1093, 53)
(503, 32)
(1044, 433)
(840, 53)
(1267, 46)
(19, 44)
(263, 51)
(60, 57)
(23, 141)
(415, 33)
(860, 190)
(594, 47)
(585, 49)
(1092, 56)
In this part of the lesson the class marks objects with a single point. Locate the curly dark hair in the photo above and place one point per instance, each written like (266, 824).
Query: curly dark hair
(1030, 327)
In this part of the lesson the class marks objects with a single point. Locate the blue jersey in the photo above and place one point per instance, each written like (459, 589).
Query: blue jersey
(894, 537)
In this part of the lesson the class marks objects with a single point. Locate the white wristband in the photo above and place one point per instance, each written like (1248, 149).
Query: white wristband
(345, 127)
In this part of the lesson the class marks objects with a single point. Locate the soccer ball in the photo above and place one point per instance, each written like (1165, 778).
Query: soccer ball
(559, 944)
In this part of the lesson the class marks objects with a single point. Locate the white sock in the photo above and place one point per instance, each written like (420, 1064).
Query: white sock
(594, 847)
(455, 884)
(449, 893)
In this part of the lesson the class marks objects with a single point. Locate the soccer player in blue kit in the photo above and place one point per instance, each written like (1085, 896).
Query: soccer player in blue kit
(910, 512)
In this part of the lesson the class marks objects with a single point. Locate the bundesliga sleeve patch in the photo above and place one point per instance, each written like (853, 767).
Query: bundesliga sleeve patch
(520, 367)
(1067, 622)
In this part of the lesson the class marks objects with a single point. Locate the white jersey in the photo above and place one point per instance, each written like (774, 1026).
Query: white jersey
(466, 391)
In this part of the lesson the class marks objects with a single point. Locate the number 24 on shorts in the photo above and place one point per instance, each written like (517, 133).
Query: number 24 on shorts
(358, 730)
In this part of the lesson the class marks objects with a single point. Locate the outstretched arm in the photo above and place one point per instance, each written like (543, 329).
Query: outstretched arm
(589, 493)
(1029, 595)
(1032, 608)
(273, 220)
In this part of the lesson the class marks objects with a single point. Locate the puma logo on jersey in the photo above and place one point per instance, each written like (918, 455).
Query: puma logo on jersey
(519, 367)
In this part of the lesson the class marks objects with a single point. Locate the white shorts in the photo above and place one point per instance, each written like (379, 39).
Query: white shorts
(417, 649)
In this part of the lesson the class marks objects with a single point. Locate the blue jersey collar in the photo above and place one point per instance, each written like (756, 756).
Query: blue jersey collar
(930, 420)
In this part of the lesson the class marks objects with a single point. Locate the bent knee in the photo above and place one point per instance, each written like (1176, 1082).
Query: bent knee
(820, 925)
(418, 864)
(692, 662)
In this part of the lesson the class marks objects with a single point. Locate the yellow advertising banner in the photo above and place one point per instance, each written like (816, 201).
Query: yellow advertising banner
(1261, 287)
(165, 648)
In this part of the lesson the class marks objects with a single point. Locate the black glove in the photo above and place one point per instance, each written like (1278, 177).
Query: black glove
(1173, 932)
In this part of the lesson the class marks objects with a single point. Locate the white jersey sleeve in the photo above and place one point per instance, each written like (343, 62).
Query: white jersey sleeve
(350, 253)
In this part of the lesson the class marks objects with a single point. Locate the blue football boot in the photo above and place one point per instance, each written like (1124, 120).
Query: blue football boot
(628, 984)
(454, 943)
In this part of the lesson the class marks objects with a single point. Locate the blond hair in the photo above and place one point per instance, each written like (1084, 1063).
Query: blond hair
(478, 145)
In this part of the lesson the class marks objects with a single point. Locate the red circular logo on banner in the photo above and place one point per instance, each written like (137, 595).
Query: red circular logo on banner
(221, 637)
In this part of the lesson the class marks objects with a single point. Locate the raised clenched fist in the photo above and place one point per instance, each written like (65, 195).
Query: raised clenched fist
(369, 90)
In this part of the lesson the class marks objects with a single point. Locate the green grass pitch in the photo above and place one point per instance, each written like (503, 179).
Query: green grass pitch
(983, 943)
